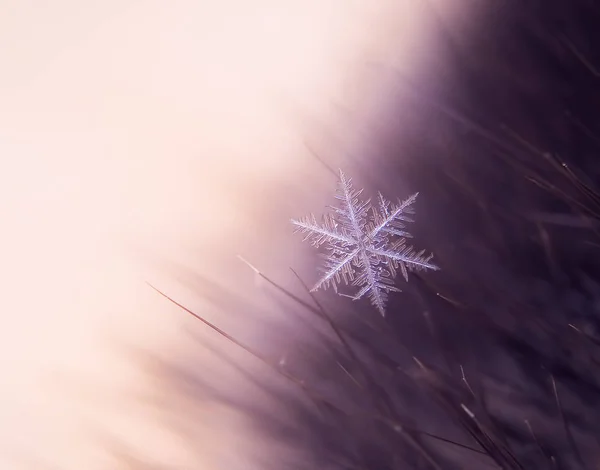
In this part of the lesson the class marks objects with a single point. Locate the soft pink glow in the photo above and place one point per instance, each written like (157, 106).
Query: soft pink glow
(128, 122)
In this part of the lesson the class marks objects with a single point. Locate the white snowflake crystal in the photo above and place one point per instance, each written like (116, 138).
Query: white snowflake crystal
(366, 244)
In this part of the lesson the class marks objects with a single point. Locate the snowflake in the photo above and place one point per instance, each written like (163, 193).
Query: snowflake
(366, 244)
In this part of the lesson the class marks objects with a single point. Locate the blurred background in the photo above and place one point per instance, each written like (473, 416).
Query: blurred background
(154, 143)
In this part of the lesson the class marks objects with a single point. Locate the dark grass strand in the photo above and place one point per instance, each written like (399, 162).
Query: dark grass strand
(565, 423)
(405, 431)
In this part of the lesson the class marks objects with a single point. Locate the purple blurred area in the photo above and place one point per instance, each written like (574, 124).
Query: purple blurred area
(155, 144)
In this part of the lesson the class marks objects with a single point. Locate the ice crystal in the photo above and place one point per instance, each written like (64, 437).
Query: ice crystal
(366, 244)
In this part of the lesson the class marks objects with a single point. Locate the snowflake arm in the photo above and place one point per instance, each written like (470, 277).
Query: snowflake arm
(337, 269)
(352, 213)
(376, 281)
(389, 218)
(407, 255)
(318, 234)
